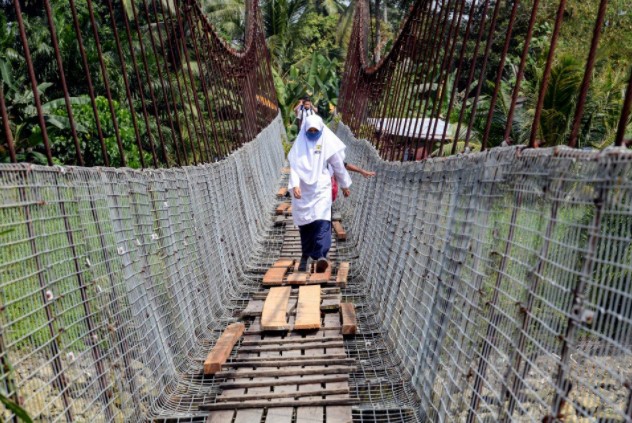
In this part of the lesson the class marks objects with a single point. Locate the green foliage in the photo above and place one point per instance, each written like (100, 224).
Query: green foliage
(18, 411)
(227, 17)
(318, 78)
(63, 143)
(317, 35)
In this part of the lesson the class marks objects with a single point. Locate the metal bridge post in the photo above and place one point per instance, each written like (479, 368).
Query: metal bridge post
(576, 312)
(106, 393)
(493, 315)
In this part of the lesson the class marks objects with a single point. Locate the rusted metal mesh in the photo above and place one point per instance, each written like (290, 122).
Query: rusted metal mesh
(455, 78)
(501, 282)
(163, 88)
(116, 283)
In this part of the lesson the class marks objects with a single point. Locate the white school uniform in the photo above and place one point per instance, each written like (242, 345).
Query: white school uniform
(309, 163)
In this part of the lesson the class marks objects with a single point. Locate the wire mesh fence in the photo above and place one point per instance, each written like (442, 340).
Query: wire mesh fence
(115, 283)
(501, 281)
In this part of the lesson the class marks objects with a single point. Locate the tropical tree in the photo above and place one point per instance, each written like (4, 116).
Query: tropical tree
(228, 18)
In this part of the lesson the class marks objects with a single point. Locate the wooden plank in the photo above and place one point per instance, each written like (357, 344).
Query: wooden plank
(282, 395)
(284, 363)
(332, 329)
(324, 293)
(339, 231)
(222, 348)
(297, 278)
(281, 208)
(308, 310)
(221, 417)
(284, 403)
(309, 414)
(254, 308)
(343, 273)
(280, 415)
(281, 192)
(289, 340)
(315, 370)
(274, 276)
(331, 303)
(239, 357)
(338, 413)
(288, 211)
(279, 221)
(349, 323)
(336, 216)
(283, 263)
(320, 277)
(285, 381)
(276, 273)
(274, 315)
(286, 347)
(249, 416)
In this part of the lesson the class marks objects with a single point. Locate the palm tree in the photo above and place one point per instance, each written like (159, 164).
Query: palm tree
(228, 17)
(282, 20)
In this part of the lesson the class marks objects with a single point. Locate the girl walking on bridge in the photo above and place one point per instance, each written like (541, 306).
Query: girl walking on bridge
(315, 150)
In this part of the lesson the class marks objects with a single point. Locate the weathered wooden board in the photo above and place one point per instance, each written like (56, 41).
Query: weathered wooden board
(285, 381)
(331, 303)
(282, 208)
(224, 416)
(297, 278)
(311, 370)
(288, 340)
(309, 402)
(343, 274)
(222, 348)
(281, 192)
(320, 277)
(308, 309)
(338, 414)
(339, 231)
(274, 315)
(276, 273)
(287, 347)
(349, 323)
(254, 308)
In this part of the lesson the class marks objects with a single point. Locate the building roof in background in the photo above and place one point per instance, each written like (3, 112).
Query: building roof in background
(422, 128)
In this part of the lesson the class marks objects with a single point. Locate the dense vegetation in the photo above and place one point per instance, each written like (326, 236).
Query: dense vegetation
(307, 40)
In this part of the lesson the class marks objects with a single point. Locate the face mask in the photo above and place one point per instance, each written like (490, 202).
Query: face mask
(313, 136)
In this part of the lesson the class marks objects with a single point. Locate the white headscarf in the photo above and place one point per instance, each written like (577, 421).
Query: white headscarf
(304, 157)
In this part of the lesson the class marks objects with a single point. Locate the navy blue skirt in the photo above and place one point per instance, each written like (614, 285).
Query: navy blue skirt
(316, 238)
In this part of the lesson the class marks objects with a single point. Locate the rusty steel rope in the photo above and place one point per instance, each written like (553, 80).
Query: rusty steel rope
(448, 78)
(191, 97)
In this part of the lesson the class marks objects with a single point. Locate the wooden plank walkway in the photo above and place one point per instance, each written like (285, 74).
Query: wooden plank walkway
(290, 365)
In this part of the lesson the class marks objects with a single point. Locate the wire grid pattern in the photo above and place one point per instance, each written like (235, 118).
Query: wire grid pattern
(500, 282)
(116, 283)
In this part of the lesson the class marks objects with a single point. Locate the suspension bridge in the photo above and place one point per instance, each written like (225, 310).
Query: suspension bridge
(474, 287)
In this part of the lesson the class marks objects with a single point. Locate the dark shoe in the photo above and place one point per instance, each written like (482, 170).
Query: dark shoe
(321, 265)
(302, 265)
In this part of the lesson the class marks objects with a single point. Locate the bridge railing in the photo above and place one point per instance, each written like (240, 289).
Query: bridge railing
(128, 83)
(470, 75)
(116, 283)
(503, 281)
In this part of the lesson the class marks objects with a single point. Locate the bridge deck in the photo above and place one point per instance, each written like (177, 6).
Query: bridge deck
(293, 367)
